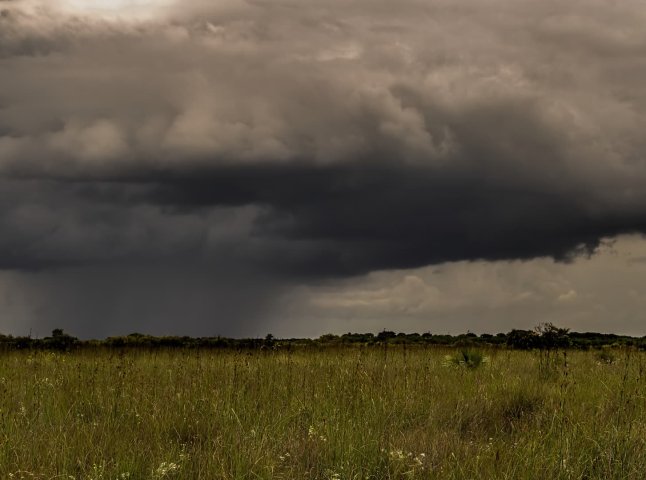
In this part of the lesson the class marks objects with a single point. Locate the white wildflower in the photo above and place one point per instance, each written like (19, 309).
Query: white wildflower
(166, 469)
(397, 454)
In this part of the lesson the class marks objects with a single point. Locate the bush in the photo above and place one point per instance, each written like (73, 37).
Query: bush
(470, 359)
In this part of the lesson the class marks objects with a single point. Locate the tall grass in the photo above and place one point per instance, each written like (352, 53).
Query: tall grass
(332, 414)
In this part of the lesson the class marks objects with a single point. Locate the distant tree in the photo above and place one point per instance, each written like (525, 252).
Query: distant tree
(328, 338)
(385, 335)
(269, 342)
(545, 336)
(357, 337)
(522, 339)
(60, 340)
(552, 337)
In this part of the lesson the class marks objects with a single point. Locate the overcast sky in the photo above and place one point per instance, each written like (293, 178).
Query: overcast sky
(245, 167)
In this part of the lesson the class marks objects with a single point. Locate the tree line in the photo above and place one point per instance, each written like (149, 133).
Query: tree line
(544, 336)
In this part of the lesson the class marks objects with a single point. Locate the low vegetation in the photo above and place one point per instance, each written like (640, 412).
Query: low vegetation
(544, 337)
(392, 412)
(466, 359)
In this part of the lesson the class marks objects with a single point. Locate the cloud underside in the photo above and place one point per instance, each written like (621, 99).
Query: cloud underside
(326, 141)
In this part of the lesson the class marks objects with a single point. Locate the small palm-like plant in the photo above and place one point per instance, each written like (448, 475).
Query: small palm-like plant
(466, 359)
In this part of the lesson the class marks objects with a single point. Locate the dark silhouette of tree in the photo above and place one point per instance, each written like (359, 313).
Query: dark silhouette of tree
(270, 341)
(552, 337)
(522, 339)
(60, 340)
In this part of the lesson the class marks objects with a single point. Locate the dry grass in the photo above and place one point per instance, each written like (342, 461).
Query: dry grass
(335, 414)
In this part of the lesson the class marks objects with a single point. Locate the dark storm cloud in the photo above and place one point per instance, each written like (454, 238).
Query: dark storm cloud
(327, 140)
(357, 218)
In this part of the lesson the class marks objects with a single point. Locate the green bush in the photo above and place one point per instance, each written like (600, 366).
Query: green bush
(466, 358)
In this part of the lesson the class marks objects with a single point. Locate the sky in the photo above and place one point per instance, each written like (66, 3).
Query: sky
(245, 167)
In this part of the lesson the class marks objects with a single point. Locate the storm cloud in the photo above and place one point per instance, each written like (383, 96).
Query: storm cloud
(300, 143)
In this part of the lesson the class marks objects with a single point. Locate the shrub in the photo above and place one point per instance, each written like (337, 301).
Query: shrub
(470, 359)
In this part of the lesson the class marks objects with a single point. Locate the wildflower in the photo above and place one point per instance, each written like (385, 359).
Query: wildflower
(97, 472)
(397, 455)
(166, 469)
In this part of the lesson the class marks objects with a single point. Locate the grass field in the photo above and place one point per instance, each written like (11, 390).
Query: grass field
(333, 414)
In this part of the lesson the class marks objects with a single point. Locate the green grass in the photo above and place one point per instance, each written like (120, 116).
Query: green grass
(332, 414)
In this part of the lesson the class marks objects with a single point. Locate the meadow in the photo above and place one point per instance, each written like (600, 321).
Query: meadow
(330, 413)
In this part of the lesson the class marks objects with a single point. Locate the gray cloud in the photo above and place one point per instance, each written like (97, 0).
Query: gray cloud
(603, 293)
(299, 143)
